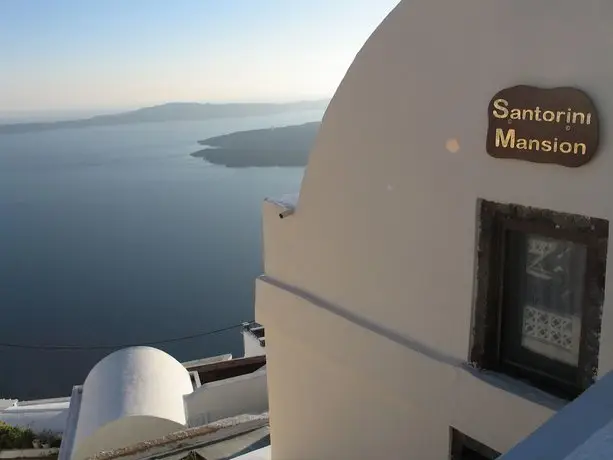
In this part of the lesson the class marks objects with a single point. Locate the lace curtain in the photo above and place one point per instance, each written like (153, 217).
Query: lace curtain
(552, 297)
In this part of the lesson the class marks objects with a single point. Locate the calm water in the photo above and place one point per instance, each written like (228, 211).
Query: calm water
(116, 235)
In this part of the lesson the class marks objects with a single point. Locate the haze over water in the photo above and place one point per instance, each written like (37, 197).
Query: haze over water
(116, 235)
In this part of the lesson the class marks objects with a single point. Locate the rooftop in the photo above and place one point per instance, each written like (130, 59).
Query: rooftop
(223, 440)
(289, 201)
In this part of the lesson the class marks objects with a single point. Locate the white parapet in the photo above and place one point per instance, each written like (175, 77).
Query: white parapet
(40, 415)
(5, 403)
(244, 394)
(28, 453)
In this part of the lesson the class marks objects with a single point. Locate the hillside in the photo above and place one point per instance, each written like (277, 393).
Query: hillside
(177, 111)
(286, 146)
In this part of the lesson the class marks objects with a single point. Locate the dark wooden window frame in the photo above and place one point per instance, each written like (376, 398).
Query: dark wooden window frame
(495, 220)
(460, 441)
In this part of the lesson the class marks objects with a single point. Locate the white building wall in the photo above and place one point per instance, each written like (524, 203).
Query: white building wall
(70, 430)
(39, 415)
(130, 396)
(368, 299)
(353, 392)
(245, 394)
(252, 345)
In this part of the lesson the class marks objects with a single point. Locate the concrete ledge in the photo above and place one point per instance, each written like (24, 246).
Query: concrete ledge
(29, 453)
(582, 430)
(38, 402)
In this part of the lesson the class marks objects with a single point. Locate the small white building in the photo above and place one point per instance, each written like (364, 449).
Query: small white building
(138, 394)
(428, 297)
(130, 396)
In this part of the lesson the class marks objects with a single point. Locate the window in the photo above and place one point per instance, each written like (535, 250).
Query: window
(540, 292)
(466, 448)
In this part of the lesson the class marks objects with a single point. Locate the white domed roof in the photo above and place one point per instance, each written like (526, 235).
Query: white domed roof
(130, 396)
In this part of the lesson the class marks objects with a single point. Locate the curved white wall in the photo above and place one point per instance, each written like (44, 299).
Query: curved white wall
(130, 396)
(381, 247)
(384, 201)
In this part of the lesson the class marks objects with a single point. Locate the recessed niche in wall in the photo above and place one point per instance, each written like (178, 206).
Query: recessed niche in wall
(541, 277)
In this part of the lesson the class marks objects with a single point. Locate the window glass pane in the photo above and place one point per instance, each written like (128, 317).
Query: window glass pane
(551, 296)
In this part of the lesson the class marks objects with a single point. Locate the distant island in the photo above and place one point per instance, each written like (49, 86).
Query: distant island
(286, 146)
(176, 111)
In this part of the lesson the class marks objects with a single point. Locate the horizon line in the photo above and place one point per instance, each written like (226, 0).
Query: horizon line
(133, 107)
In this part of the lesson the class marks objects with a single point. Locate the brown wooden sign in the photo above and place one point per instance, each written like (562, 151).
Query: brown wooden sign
(557, 125)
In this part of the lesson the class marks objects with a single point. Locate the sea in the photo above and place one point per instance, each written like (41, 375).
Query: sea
(113, 236)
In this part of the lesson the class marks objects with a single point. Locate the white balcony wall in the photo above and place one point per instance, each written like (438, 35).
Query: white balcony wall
(245, 394)
(40, 415)
(562, 438)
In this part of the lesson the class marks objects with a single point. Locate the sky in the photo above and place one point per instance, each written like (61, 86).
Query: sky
(109, 54)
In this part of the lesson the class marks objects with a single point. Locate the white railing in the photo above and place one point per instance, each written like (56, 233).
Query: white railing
(582, 430)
